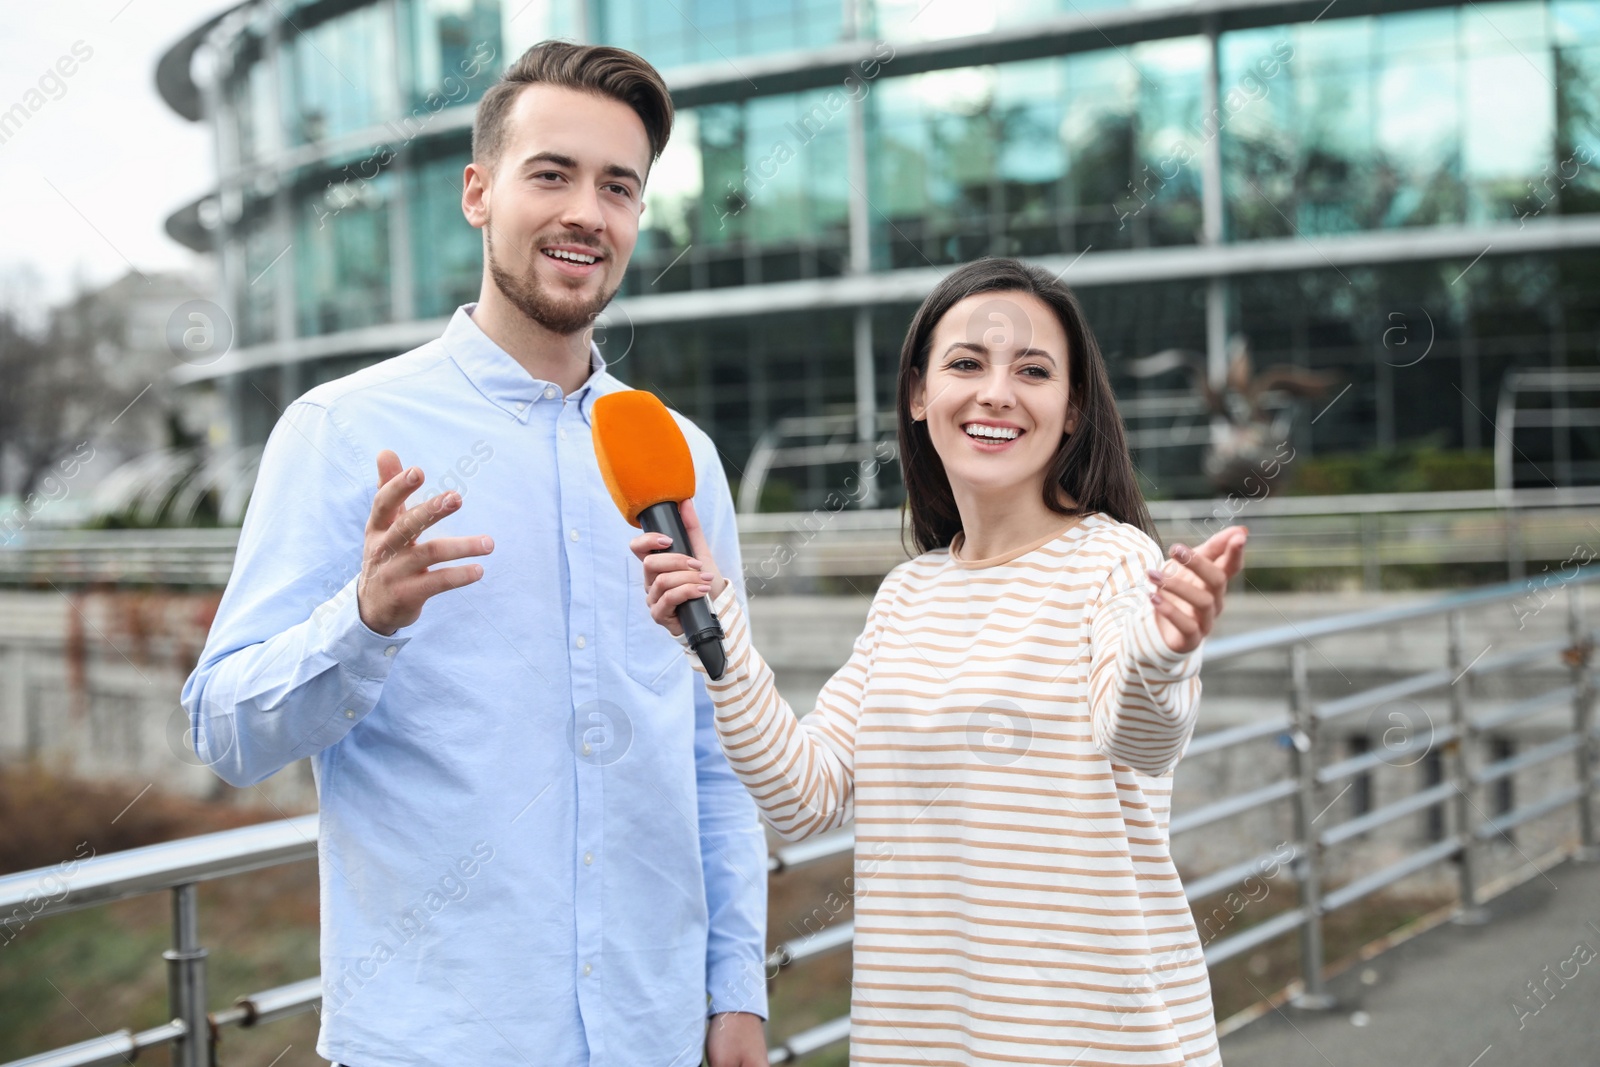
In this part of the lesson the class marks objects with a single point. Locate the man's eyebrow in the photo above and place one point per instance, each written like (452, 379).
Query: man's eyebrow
(617, 170)
(610, 170)
(973, 346)
(551, 157)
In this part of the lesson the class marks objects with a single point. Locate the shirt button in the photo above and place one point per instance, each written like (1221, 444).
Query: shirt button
(588, 858)
(391, 650)
(562, 433)
(522, 405)
(550, 393)
(573, 533)
(349, 713)
(587, 751)
(587, 970)
(581, 641)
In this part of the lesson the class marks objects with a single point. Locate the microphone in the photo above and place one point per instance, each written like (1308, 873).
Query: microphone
(647, 467)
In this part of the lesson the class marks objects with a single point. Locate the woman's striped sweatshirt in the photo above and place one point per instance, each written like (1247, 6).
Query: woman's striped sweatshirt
(1003, 736)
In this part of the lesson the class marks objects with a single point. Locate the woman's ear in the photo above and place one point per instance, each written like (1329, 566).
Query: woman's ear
(917, 411)
(1072, 420)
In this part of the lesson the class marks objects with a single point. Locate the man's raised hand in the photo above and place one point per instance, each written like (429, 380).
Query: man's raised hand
(395, 579)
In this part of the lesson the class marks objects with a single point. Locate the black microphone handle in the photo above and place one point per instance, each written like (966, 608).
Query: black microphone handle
(699, 622)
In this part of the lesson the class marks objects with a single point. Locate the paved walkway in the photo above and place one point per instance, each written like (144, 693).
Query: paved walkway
(1459, 996)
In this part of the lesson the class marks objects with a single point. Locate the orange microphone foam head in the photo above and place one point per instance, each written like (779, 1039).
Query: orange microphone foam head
(643, 456)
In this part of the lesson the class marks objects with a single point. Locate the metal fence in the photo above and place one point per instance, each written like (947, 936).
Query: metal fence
(1364, 534)
(179, 865)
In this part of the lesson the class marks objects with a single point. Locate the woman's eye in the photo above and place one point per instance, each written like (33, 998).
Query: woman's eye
(1043, 372)
(961, 364)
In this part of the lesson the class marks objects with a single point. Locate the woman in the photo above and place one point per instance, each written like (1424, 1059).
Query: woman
(1005, 730)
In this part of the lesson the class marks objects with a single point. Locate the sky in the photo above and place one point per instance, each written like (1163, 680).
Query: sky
(88, 179)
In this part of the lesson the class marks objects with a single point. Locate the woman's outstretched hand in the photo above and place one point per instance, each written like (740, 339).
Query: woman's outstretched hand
(672, 578)
(1188, 597)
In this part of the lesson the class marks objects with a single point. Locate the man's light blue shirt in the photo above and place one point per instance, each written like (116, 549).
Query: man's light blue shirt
(532, 849)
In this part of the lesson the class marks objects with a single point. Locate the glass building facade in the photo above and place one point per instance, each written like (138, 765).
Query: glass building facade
(1404, 195)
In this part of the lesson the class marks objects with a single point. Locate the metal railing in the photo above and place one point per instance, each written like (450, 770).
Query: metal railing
(179, 865)
(1367, 533)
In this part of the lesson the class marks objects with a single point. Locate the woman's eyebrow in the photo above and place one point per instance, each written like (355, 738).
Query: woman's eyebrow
(973, 346)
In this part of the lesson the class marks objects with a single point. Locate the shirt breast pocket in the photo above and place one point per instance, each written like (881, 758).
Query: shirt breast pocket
(650, 654)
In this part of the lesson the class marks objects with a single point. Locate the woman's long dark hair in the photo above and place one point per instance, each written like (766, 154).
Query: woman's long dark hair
(1091, 470)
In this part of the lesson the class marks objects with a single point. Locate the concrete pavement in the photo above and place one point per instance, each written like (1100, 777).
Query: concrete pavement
(1524, 988)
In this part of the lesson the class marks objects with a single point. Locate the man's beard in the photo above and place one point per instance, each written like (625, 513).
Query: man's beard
(564, 317)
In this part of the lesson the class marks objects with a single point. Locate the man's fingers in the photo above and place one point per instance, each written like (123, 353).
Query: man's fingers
(444, 549)
(388, 466)
(392, 494)
(409, 526)
(432, 583)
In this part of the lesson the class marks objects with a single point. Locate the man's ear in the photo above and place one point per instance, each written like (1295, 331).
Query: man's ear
(474, 195)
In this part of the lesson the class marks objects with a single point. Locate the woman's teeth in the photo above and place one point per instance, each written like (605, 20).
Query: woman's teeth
(995, 433)
(573, 257)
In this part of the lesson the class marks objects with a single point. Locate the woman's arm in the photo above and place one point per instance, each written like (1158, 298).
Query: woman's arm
(1145, 628)
(801, 772)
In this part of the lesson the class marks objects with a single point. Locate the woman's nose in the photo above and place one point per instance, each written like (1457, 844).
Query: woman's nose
(996, 387)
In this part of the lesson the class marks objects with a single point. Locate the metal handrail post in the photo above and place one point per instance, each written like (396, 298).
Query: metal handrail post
(1308, 866)
(186, 981)
(1578, 658)
(1458, 764)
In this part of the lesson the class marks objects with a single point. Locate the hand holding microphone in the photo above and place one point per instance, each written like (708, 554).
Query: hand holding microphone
(672, 578)
(647, 467)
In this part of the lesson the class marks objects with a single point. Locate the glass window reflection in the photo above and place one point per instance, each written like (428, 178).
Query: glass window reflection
(343, 259)
(716, 31)
(256, 304)
(1413, 119)
(341, 74)
(454, 47)
(447, 251)
(1045, 157)
(748, 193)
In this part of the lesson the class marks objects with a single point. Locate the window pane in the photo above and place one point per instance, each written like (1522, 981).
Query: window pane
(343, 256)
(447, 250)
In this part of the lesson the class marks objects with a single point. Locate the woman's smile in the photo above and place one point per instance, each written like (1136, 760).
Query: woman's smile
(988, 436)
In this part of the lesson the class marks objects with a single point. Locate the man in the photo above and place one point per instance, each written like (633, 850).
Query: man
(532, 849)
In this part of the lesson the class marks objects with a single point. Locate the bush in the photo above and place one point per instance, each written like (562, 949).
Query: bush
(1424, 468)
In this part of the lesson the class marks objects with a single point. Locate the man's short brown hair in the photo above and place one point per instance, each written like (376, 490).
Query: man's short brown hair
(611, 72)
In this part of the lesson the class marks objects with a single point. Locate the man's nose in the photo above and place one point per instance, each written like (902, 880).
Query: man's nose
(581, 211)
